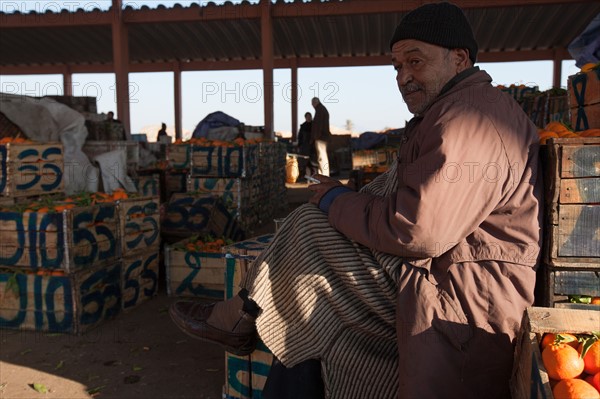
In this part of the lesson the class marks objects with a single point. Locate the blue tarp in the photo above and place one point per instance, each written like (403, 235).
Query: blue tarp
(212, 121)
(585, 48)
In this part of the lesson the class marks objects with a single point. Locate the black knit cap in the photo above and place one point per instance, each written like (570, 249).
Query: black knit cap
(442, 24)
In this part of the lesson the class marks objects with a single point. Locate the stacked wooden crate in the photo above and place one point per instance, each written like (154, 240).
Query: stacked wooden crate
(245, 376)
(571, 251)
(241, 186)
(139, 234)
(61, 264)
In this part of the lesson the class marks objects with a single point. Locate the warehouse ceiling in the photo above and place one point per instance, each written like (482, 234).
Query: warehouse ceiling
(333, 33)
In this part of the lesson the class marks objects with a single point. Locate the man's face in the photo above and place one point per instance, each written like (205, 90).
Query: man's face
(422, 71)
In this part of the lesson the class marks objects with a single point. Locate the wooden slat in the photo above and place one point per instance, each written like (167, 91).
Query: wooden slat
(580, 191)
(579, 231)
(577, 282)
(580, 161)
(551, 320)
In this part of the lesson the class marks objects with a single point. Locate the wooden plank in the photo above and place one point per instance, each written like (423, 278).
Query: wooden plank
(579, 231)
(140, 277)
(580, 191)
(551, 320)
(570, 282)
(245, 376)
(580, 160)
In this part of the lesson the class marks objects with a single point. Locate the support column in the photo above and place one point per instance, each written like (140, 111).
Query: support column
(177, 98)
(294, 100)
(557, 71)
(120, 42)
(266, 25)
(67, 82)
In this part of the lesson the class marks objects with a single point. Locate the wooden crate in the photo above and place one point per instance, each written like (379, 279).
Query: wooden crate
(139, 224)
(71, 303)
(584, 88)
(74, 239)
(179, 156)
(519, 92)
(572, 194)
(529, 377)
(140, 277)
(148, 185)
(31, 169)
(585, 117)
(236, 161)
(188, 214)
(236, 193)
(194, 274)
(245, 376)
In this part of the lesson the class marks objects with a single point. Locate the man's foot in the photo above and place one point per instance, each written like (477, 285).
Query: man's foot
(223, 323)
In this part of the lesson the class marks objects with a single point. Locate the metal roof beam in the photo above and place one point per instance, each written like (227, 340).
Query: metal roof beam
(50, 19)
(193, 13)
(321, 62)
(332, 8)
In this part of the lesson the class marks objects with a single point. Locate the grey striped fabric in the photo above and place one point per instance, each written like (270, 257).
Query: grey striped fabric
(325, 297)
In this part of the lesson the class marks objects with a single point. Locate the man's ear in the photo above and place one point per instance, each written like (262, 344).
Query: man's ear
(461, 59)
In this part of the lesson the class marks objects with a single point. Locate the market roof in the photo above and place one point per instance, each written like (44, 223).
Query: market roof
(313, 34)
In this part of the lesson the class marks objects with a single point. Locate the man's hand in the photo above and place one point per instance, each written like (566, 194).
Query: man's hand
(322, 188)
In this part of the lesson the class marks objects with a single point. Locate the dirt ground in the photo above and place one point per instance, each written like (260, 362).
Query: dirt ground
(139, 354)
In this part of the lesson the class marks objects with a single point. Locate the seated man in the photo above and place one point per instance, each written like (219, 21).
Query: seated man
(415, 286)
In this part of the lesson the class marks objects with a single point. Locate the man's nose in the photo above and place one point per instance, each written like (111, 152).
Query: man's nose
(403, 77)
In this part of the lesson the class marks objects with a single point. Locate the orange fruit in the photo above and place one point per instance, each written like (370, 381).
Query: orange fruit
(556, 127)
(592, 358)
(565, 338)
(595, 300)
(574, 389)
(594, 380)
(567, 134)
(588, 67)
(562, 361)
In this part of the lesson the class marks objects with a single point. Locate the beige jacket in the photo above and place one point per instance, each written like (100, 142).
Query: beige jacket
(468, 187)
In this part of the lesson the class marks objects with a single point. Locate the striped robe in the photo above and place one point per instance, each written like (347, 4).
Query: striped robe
(325, 297)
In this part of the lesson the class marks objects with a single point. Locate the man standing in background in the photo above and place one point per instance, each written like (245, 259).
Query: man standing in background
(320, 135)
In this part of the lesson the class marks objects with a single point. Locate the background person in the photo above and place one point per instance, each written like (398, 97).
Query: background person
(320, 135)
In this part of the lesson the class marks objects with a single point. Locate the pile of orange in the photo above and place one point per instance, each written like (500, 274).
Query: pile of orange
(205, 244)
(558, 129)
(60, 203)
(15, 140)
(573, 365)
